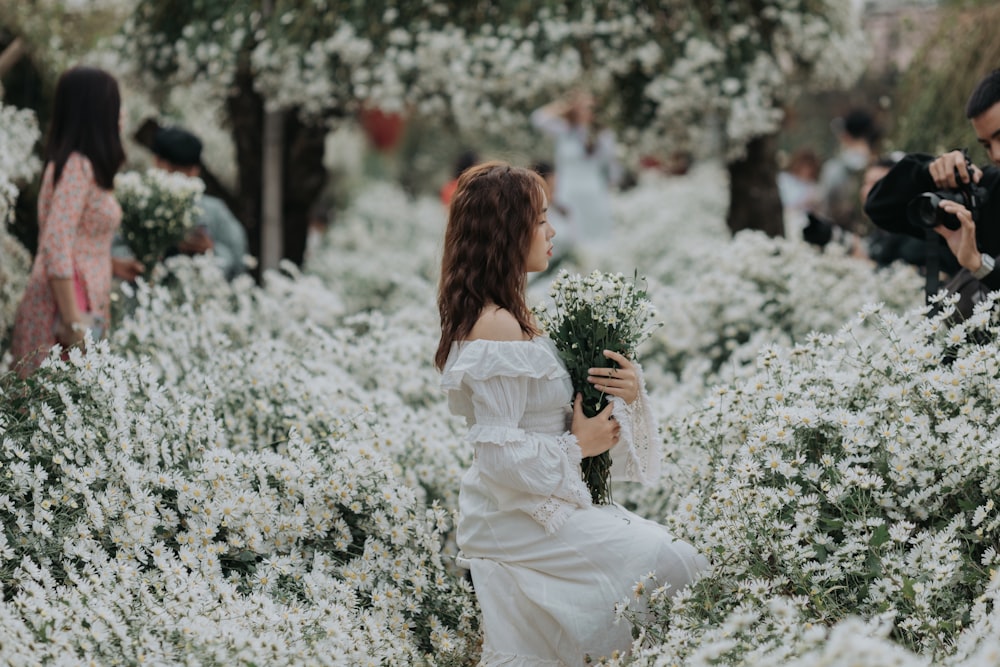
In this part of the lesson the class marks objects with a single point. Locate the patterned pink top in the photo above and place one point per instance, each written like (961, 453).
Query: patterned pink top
(76, 223)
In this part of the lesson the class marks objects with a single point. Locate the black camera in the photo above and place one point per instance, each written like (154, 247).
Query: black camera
(925, 210)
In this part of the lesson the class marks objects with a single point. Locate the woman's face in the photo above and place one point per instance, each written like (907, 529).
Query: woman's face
(540, 251)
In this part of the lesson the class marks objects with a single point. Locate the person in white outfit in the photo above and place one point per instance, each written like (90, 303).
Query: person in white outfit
(586, 168)
(548, 566)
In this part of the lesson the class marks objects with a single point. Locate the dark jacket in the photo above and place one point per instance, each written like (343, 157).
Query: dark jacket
(886, 204)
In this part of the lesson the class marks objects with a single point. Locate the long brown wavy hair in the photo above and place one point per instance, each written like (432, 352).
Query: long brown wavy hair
(491, 219)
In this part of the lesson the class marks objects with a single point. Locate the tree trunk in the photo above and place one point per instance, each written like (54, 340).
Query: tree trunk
(305, 178)
(246, 116)
(272, 239)
(303, 173)
(754, 202)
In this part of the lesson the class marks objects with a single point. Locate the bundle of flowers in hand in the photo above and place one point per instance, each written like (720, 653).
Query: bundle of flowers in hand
(158, 209)
(590, 314)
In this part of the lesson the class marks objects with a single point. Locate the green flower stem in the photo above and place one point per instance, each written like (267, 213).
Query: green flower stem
(596, 469)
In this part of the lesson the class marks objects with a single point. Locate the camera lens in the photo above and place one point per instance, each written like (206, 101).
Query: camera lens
(924, 211)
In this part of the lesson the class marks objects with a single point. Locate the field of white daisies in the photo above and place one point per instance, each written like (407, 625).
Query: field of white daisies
(268, 475)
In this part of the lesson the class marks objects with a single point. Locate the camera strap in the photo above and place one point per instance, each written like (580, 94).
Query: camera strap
(932, 264)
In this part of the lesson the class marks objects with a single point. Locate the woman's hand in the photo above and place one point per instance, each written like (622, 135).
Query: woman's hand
(622, 381)
(197, 242)
(70, 334)
(126, 268)
(596, 434)
(962, 241)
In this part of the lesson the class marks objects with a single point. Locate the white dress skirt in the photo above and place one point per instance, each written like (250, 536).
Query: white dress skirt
(548, 566)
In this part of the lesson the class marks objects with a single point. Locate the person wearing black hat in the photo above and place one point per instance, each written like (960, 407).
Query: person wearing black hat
(217, 230)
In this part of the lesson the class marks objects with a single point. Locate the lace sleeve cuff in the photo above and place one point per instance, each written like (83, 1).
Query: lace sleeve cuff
(572, 449)
(552, 513)
(570, 495)
(636, 457)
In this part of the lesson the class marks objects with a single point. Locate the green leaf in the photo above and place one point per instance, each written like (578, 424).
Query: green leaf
(880, 536)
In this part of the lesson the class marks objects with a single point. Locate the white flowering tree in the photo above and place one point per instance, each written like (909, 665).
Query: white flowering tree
(54, 33)
(727, 70)
(670, 75)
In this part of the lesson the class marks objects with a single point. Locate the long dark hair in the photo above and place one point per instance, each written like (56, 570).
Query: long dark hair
(491, 219)
(85, 117)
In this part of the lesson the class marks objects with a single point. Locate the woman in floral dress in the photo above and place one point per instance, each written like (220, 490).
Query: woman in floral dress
(70, 285)
(548, 566)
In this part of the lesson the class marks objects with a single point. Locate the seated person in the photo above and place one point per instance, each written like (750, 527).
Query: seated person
(216, 229)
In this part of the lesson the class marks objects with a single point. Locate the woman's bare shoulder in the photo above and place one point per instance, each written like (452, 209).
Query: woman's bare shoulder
(497, 324)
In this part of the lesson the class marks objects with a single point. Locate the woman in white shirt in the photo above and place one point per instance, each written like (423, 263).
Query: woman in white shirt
(548, 566)
(586, 168)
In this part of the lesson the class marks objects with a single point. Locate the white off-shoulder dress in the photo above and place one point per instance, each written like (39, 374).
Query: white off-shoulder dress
(547, 565)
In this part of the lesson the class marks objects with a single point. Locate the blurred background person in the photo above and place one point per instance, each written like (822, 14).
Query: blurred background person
(467, 158)
(564, 248)
(69, 290)
(840, 176)
(798, 185)
(586, 167)
(319, 224)
(217, 230)
(838, 216)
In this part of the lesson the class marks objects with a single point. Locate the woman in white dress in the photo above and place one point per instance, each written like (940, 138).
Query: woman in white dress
(586, 168)
(548, 566)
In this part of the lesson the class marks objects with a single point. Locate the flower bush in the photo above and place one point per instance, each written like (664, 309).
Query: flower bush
(18, 135)
(269, 473)
(132, 533)
(387, 248)
(15, 266)
(848, 479)
(283, 357)
(18, 163)
(722, 302)
(772, 291)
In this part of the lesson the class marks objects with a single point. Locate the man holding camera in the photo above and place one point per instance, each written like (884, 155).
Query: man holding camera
(949, 194)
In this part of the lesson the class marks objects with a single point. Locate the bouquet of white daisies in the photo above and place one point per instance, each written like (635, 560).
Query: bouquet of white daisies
(158, 209)
(590, 314)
